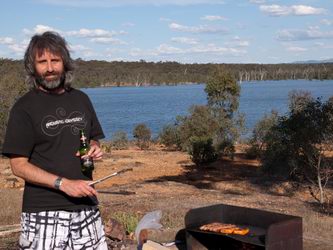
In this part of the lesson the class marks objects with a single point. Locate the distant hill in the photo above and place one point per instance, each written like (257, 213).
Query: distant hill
(314, 61)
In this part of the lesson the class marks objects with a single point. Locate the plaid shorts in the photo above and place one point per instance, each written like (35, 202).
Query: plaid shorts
(46, 230)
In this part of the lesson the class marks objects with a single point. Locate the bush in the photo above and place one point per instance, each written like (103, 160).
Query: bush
(202, 150)
(296, 146)
(143, 135)
(12, 86)
(120, 140)
(260, 135)
(106, 146)
(199, 123)
(170, 137)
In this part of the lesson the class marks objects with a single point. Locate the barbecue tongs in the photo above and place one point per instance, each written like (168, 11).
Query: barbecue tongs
(110, 175)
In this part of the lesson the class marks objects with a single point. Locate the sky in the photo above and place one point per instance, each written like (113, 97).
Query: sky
(185, 31)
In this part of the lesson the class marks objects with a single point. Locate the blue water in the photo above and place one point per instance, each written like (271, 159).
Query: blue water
(123, 108)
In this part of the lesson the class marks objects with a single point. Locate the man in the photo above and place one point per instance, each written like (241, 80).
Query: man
(42, 139)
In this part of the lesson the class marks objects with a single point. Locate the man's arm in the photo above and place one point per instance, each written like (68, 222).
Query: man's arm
(22, 168)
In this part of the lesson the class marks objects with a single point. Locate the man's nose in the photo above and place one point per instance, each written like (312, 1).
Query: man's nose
(50, 67)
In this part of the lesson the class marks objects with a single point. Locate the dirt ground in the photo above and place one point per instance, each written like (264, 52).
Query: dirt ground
(168, 181)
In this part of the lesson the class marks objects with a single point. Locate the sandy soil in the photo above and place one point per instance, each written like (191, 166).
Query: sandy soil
(169, 181)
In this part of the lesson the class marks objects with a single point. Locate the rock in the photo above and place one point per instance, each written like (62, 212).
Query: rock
(7, 172)
(114, 230)
(11, 182)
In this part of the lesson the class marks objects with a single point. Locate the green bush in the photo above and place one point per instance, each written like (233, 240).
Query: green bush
(106, 146)
(199, 123)
(12, 86)
(142, 134)
(202, 150)
(120, 140)
(260, 135)
(296, 146)
(128, 220)
(170, 137)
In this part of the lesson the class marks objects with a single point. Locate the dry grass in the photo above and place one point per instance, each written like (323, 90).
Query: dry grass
(11, 201)
(168, 181)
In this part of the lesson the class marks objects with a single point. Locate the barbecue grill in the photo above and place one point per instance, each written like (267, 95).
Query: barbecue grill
(268, 230)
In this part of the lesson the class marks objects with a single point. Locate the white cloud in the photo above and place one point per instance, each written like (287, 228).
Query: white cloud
(257, 1)
(212, 48)
(106, 40)
(18, 49)
(197, 29)
(238, 42)
(297, 10)
(309, 34)
(40, 29)
(326, 22)
(7, 40)
(208, 49)
(184, 40)
(82, 51)
(296, 49)
(213, 18)
(108, 3)
(93, 33)
(164, 19)
(322, 45)
(128, 24)
(167, 49)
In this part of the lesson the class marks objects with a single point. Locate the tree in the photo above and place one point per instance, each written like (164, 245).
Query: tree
(170, 136)
(261, 134)
(120, 140)
(143, 135)
(298, 144)
(12, 86)
(199, 123)
(202, 150)
(223, 93)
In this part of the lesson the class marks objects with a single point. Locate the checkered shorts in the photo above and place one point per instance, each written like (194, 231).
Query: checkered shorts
(80, 229)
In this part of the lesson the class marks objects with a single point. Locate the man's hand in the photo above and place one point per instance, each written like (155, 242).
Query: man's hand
(77, 188)
(95, 151)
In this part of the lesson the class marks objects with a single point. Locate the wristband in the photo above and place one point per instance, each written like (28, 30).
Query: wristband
(58, 183)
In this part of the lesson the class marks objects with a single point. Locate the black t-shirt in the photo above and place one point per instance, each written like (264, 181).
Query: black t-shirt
(45, 128)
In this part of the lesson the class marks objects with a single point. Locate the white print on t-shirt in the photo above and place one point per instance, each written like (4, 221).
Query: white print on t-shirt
(52, 125)
(66, 121)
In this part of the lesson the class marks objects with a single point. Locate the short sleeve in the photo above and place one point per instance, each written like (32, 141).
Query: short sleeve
(19, 138)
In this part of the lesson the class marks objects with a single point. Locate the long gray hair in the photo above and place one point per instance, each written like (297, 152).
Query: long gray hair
(54, 43)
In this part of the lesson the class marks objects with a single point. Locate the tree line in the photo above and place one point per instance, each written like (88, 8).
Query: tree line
(118, 73)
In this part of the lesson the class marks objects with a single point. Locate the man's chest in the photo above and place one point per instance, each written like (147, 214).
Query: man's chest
(56, 119)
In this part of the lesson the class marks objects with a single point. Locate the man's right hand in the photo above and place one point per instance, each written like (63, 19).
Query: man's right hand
(77, 188)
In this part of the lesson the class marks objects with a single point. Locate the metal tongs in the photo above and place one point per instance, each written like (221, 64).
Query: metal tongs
(110, 175)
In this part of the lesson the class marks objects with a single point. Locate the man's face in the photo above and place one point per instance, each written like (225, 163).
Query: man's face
(50, 70)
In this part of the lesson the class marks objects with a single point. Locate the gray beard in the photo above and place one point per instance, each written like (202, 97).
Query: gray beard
(51, 85)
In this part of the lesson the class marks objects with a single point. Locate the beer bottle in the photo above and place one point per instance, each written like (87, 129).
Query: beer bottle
(87, 164)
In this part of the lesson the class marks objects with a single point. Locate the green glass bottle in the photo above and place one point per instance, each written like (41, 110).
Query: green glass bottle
(87, 164)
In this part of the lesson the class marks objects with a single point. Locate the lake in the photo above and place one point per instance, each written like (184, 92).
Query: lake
(122, 108)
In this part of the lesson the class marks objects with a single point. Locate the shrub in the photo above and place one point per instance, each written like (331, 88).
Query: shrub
(128, 220)
(202, 150)
(12, 86)
(199, 123)
(296, 146)
(170, 137)
(120, 140)
(260, 134)
(106, 146)
(143, 135)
